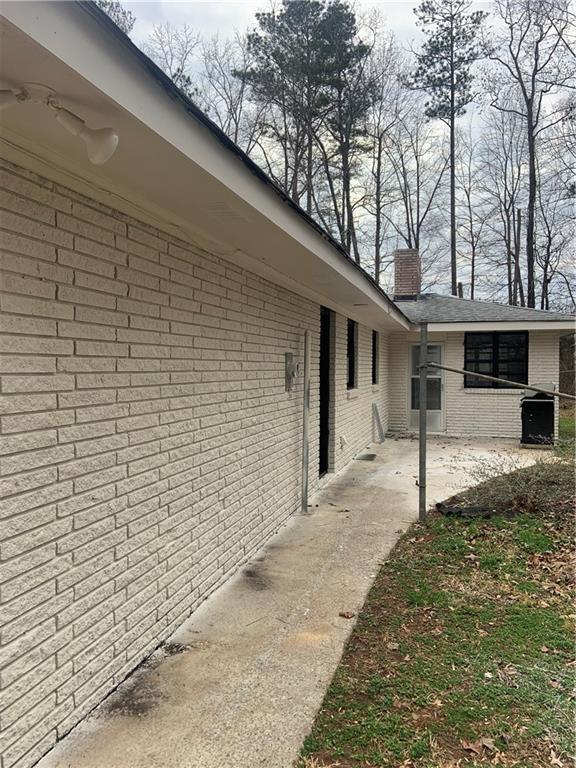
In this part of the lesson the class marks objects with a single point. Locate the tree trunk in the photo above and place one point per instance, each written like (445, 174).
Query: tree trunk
(517, 276)
(510, 272)
(511, 249)
(351, 241)
(378, 212)
(309, 172)
(453, 267)
(530, 212)
(472, 271)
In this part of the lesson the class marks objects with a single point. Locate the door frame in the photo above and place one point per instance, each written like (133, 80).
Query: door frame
(409, 410)
(325, 391)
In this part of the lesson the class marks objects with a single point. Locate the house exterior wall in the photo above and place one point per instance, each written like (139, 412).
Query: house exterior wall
(148, 444)
(472, 412)
(354, 423)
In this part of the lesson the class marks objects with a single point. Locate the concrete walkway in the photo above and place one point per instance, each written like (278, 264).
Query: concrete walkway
(244, 677)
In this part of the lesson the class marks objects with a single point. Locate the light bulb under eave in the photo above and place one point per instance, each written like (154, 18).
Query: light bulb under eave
(101, 143)
(7, 98)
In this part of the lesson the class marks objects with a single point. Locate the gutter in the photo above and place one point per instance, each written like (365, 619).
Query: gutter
(90, 7)
(499, 325)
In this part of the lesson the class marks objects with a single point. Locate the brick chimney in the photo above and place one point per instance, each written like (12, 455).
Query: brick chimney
(406, 273)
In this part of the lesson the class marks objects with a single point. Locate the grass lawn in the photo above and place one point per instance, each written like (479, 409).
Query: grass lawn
(463, 654)
(567, 426)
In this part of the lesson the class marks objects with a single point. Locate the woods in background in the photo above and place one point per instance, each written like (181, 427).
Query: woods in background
(464, 148)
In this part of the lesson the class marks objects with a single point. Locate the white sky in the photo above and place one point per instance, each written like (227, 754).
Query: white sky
(223, 17)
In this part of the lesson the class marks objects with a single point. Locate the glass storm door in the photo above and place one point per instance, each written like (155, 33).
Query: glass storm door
(435, 388)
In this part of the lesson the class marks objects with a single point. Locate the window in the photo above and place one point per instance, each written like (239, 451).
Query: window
(504, 355)
(351, 346)
(375, 355)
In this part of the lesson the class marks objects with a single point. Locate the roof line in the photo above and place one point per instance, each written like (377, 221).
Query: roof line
(495, 304)
(168, 85)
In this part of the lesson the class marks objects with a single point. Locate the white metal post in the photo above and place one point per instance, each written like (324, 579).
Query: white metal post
(423, 371)
(305, 422)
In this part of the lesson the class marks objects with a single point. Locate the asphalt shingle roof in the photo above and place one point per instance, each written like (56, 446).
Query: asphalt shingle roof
(433, 308)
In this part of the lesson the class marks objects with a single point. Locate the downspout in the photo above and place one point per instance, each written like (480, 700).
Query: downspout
(305, 424)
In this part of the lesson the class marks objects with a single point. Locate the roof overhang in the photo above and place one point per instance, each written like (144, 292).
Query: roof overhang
(171, 165)
(545, 325)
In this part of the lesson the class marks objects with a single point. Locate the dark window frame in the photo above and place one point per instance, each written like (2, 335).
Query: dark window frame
(375, 357)
(352, 354)
(494, 362)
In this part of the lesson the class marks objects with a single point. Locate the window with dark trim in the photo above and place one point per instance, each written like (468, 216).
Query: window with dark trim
(351, 354)
(502, 354)
(375, 356)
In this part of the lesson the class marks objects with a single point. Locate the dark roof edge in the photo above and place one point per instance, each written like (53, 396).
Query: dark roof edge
(104, 20)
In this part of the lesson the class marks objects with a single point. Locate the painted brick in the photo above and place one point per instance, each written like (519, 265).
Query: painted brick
(481, 412)
(34, 268)
(51, 383)
(146, 426)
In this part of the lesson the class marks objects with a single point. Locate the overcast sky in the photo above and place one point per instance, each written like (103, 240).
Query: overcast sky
(224, 16)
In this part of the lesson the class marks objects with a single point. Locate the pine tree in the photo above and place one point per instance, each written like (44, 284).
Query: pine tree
(300, 52)
(121, 16)
(443, 71)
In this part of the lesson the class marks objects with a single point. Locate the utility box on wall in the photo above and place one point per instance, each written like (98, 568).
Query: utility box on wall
(292, 369)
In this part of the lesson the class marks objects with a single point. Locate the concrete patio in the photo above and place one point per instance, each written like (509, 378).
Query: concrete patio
(239, 684)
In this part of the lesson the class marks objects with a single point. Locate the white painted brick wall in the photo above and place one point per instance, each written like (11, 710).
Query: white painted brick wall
(354, 423)
(473, 412)
(147, 444)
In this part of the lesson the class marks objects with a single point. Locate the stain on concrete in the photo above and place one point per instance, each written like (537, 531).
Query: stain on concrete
(256, 578)
(366, 457)
(140, 693)
(173, 649)
(136, 698)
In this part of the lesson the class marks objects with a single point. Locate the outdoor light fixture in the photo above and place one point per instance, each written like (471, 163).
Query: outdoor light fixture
(100, 143)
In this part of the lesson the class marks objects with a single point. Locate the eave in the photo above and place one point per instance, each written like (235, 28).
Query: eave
(173, 164)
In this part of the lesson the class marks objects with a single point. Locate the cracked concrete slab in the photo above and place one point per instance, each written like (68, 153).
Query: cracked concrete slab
(239, 684)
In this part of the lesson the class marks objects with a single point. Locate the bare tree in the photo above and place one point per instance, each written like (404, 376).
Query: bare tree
(474, 210)
(414, 153)
(386, 65)
(533, 65)
(224, 96)
(503, 168)
(173, 49)
(555, 230)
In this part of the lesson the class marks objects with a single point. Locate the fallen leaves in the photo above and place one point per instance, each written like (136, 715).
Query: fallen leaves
(478, 747)
(507, 673)
(555, 760)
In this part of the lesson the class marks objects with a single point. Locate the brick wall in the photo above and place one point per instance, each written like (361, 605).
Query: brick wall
(354, 423)
(148, 444)
(472, 412)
